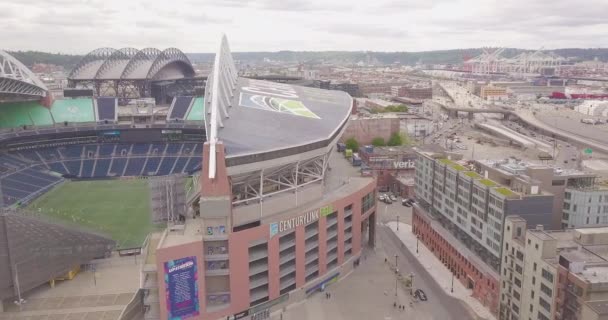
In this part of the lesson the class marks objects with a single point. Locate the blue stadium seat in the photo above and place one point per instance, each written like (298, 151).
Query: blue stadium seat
(180, 164)
(151, 166)
(166, 166)
(106, 109)
(180, 108)
(71, 152)
(87, 168)
(90, 151)
(157, 149)
(73, 166)
(194, 164)
(140, 148)
(58, 167)
(106, 150)
(134, 166)
(118, 166)
(173, 148)
(101, 168)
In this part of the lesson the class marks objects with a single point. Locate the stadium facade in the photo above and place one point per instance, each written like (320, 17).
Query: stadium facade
(280, 216)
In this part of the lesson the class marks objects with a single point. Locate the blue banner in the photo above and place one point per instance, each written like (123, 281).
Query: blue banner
(181, 283)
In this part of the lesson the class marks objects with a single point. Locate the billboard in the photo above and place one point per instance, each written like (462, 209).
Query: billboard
(181, 287)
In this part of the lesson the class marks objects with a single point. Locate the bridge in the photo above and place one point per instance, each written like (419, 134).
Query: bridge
(453, 111)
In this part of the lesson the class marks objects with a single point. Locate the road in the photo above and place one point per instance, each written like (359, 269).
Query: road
(440, 305)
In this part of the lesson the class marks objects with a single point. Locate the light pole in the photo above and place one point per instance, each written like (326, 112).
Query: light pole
(396, 278)
(452, 281)
(20, 302)
(411, 284)
(417, 238)
(397, 221)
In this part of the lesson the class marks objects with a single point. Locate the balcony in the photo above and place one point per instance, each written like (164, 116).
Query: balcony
(312, 257)
(257, 269)
(217, 272)
(332, 222)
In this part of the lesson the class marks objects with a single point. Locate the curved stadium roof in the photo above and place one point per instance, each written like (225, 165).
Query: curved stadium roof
(133, 64)
(16, 80)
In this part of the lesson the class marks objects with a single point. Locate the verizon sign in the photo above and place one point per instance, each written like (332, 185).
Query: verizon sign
(409, 164)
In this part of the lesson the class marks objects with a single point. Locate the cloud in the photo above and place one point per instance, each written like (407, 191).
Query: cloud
(366, 31)
(77, 26)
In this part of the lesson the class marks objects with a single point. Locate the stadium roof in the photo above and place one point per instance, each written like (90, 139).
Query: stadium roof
(254, 117)
(133, 64)
(17, 80)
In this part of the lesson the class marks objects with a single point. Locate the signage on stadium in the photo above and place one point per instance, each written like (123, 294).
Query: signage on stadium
(288, 224)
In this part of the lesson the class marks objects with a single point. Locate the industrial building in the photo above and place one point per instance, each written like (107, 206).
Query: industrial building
(417, 91)
(388, 163)
(364, 128)
(553, 274)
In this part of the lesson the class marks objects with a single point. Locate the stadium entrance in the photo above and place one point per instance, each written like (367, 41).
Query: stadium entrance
(368, 230)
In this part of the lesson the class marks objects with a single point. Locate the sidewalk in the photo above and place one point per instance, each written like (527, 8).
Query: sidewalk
(438, 271)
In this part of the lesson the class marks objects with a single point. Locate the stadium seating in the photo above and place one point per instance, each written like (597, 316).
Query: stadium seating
(17, 114)
(27, 173)
(134, 166)
(73, 110)
(117, 167)
(106, 109)
(180, 107)
(101, 168)
(151, 166)
(197, 112)
(87, 168)
(166, 166)
(24, 184)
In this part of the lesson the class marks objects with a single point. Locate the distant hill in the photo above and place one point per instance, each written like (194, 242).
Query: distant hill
(455, 56)
(29, 58)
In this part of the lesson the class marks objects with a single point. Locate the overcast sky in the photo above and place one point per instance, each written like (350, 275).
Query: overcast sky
(78, 26)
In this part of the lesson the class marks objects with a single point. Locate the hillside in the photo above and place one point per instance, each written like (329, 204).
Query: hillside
(455, 56)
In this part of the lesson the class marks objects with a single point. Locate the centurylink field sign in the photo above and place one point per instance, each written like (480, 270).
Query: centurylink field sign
(304, 219)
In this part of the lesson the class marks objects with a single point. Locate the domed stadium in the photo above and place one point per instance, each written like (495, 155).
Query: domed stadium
(133, 73)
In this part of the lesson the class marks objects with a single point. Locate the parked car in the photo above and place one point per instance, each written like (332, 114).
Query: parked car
(381, 197)
(393, 197)
(420, 295)
(388, 200)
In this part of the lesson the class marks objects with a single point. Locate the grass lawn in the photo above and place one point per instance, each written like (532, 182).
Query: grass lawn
(118, 208)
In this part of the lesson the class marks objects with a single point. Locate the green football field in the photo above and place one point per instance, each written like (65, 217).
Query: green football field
(117, 208)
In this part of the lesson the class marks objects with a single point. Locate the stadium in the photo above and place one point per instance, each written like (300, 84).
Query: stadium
(273, 214)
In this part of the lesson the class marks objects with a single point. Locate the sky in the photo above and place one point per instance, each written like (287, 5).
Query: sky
(79, 26)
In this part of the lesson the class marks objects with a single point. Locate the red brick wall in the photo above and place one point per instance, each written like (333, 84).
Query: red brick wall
(485, 287)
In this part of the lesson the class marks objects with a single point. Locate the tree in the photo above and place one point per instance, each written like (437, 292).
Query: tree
(398, 139)
(395, 140)
(378, 142)
(352, 144)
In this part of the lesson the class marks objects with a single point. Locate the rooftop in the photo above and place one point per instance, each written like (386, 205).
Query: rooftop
(600, 307)
(267, 116)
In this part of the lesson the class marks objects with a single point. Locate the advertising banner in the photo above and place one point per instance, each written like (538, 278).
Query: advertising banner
(181, 288)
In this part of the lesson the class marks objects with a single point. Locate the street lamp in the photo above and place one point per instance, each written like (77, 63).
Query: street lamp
(396, 277)
(417, 238)
(452, 281)
(397, 221)
(20, 302)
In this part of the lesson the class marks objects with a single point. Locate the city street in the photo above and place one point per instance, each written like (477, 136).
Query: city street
(369, 292)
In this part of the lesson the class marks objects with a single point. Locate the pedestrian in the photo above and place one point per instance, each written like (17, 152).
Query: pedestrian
(394, 304)
(385, 260)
